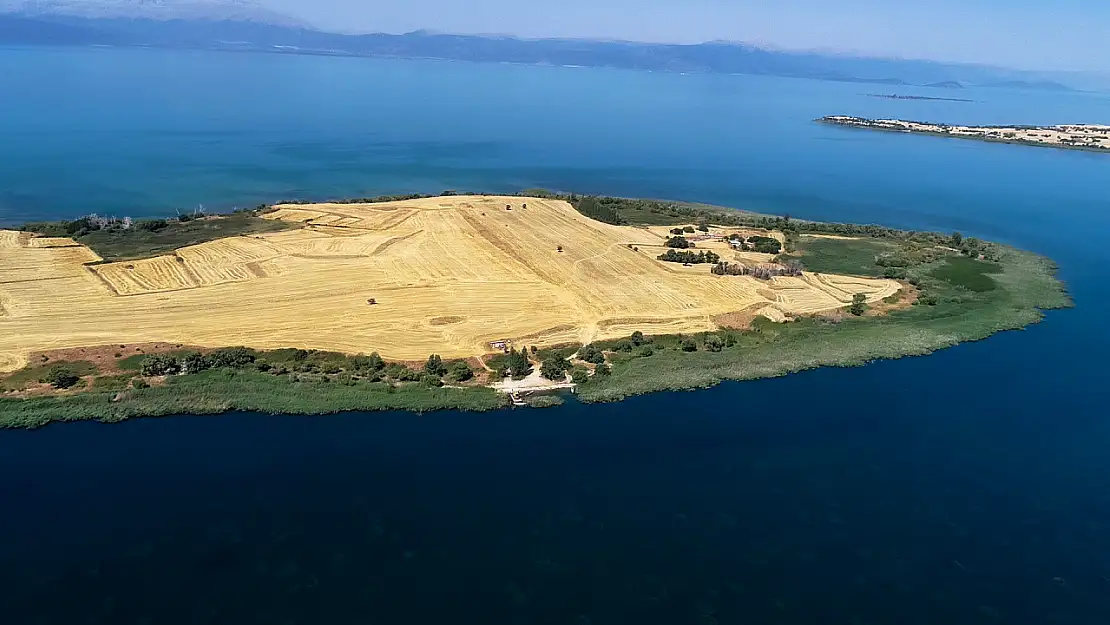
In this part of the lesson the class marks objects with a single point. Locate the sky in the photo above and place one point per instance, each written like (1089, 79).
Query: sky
(1026, 34)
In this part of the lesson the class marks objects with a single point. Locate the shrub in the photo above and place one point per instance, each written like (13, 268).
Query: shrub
(435, 366)
(430, 380)
(688, 345)
(637, 338)
(678, 242)
(687, 228)
(603, 370)
(858, 304)
(160, 364)
(646, 350)
(139, 383)
(591, 353)
(60, 377)
(232, 358)
(713, 343)
(555, 369)
(194, 362)
(579, 375)
(461, 372)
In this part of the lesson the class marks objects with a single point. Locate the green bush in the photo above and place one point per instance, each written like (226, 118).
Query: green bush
(139, 383)
(160, 364)
(859, 304)
(713, 343)
(430, 380)
(603, 370)
(579, 375)
(435, 366)
(461, 372)
(555, 369)
(688, 345)
(646, 350)
(61, 377)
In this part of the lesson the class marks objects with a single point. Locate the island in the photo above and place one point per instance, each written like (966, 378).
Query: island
(1091, 137)
(471, 301)
(896, 96)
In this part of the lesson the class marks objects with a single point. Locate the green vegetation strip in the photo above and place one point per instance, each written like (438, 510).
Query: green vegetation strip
(1025, 285)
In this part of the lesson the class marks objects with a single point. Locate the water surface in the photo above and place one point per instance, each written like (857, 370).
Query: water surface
(971, 486)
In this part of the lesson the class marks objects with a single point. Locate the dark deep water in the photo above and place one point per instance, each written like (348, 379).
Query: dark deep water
(968, 487)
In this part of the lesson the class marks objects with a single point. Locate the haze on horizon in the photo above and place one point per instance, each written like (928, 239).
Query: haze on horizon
(1025, 34)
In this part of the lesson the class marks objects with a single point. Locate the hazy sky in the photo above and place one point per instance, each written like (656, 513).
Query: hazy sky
(1033, 34)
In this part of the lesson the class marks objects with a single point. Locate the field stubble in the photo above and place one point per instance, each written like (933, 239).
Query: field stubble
(447, 275)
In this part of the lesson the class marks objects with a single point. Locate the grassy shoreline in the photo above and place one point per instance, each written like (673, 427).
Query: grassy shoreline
(959, 299)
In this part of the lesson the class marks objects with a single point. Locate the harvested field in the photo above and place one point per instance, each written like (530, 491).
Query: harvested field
(448, 275)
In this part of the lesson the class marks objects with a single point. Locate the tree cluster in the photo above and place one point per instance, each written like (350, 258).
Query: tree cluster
(679, 242)
(555, 368)
(790, 268)
(693, 258)
(595, 208)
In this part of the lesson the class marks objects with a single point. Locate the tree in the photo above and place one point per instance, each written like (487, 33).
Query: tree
(858, 304)
(430, 380)
(461, 372)
(687, 228)
(677, 242)
(688, 345)
(603, 370)
(518, 364)
(435, 366)
(646, 351)
(555, 369)
(194, 362)
(703, 226)
(957, 238)
(160, 364)
(230, 357)
(61, 377)
(677, 231)
(591, 353)
(579, 375)
(713, 343)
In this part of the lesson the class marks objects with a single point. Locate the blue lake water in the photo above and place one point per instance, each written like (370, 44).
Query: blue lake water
(971, 486)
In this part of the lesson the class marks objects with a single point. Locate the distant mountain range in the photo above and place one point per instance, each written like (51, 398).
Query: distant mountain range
(244, 25)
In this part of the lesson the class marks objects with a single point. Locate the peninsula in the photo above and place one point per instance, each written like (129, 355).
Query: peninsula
(1090, 137)
(461, 301)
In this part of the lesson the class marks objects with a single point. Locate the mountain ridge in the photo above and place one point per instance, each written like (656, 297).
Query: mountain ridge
(234, 25)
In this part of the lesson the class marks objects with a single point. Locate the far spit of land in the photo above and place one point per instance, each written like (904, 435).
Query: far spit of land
(1092, 137)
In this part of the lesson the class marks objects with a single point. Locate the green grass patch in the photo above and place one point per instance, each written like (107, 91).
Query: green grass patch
(225, 390)
(968, 273)
(855, 257)
(557, 351)
(135, 243)
(34, 374)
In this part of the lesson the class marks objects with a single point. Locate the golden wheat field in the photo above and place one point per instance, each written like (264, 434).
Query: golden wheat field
(448, 275)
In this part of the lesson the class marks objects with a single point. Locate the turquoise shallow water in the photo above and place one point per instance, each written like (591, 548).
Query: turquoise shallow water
(970, 486)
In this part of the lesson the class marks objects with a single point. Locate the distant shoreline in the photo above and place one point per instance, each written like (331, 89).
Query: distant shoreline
(895, 96)
(1082, 137)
